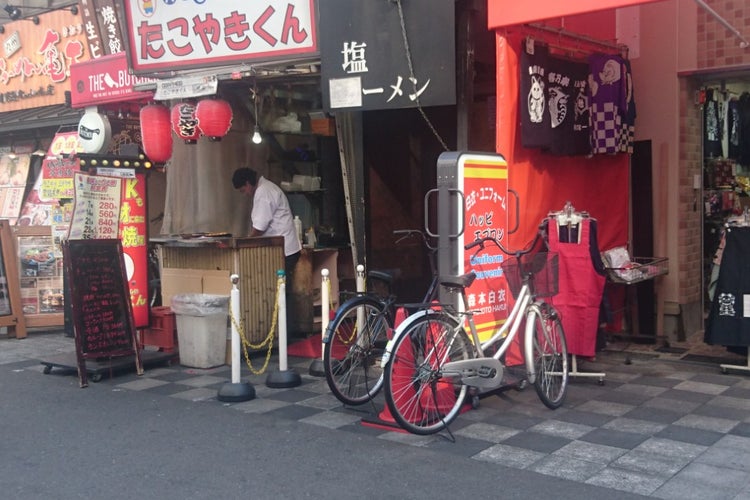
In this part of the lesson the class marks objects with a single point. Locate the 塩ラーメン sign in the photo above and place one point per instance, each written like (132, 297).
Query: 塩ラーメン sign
(169, 35)
(365, 64)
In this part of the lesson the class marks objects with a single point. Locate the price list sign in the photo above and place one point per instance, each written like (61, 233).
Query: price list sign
(97, 207)
(102, 312)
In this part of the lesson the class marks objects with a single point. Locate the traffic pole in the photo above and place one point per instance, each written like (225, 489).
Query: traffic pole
(284, 377)
(236, 390)
(317, 367)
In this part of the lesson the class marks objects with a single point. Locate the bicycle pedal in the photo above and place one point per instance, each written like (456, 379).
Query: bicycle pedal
(485, 373)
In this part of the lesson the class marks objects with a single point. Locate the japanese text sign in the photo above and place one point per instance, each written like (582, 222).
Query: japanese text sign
(97, 207)
(365, 64)
(104, 80)
(134, 237)
(181, 34)
(36, 60)
(485, 187)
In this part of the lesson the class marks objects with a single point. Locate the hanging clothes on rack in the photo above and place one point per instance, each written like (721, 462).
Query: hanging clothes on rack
(712, 147)
(535, 117)
(572, 235)
(608, 98)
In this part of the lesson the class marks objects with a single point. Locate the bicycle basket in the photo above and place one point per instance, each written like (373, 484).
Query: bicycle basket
(541, 268)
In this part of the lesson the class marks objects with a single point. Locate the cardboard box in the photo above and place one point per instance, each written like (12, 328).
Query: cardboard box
(176, 281)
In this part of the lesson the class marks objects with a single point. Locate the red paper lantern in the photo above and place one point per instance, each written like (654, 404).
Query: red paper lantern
(214, 118)
(156, 133)
(184, 123)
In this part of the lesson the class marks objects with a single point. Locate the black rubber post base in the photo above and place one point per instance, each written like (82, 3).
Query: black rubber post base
(235, 393)
(317, 369)
(283, 379)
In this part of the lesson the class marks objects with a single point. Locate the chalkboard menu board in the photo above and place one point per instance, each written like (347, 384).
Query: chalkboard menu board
(102, 310)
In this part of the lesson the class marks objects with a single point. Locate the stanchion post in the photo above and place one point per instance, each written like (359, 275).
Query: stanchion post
(361, 340)
(284, 377)
(317, 367)
(281, 321)
(235, 391)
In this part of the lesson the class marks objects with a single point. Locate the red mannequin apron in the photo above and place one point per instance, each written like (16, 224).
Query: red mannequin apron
(580, 289)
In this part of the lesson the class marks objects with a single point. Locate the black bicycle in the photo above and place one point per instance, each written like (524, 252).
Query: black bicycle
(355, 339)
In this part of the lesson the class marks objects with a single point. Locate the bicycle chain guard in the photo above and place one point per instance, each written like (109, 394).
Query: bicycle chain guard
(484, 373)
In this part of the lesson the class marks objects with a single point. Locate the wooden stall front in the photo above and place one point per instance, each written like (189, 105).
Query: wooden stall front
(204, 265)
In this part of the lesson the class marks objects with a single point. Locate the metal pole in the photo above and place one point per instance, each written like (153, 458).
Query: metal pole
(325, 301)
(283, 364)
(235, 306)
(284, 377)
(235, 391)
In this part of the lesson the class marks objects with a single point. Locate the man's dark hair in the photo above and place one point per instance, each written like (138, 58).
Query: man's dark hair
(244, 175)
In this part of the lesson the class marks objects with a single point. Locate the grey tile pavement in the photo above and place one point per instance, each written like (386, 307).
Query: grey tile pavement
(658, 427)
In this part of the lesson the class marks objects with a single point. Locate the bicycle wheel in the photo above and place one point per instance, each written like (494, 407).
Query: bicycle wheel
(355, 341)
(420, 399)
(550, 356)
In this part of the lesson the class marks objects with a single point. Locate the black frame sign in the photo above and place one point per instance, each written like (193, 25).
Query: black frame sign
(101, 306)
(364, 64)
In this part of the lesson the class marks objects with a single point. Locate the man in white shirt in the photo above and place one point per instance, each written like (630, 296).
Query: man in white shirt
(271, 215)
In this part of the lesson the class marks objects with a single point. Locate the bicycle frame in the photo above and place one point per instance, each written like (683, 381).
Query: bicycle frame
(505, 334)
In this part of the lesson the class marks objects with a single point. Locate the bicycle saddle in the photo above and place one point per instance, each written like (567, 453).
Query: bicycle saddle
(380, 275)
(462, 281)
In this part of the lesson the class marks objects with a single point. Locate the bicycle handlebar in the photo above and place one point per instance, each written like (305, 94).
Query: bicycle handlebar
(408, 233)
(517, 253)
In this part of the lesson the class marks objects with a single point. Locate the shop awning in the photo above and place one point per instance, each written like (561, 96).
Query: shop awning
(39, 118)
(511, 12)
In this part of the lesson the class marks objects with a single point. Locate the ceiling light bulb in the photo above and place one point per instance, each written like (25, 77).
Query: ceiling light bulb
(257, 139)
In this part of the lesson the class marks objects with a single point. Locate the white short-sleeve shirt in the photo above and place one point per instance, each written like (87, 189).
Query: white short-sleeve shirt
(272, 215)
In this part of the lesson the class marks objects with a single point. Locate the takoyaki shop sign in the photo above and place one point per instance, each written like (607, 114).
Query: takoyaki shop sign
(176, 34)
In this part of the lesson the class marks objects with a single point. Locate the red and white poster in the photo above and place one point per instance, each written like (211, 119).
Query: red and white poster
(484, 182)
(14, 170)
(134, 237)
(96, 214)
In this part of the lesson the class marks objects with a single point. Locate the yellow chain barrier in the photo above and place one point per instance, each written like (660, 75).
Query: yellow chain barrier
(268, 342)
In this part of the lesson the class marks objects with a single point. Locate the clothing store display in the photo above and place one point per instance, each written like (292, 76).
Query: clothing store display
(627, 134)
(729, 319)
(608, 100)
(567, 104)
(570, 107)
(581, 142)
(744, 132)
(535, 118)
(733, 129)
(581, 284)
(712, 125)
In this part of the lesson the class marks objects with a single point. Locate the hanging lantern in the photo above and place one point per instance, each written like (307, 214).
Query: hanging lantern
(156, 134)
(214, 118)
(184, 123)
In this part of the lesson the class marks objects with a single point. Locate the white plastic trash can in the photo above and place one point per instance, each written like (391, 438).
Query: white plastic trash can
(201, 328)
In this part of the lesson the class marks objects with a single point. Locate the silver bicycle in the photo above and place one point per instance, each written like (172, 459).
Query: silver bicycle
(431, 364)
